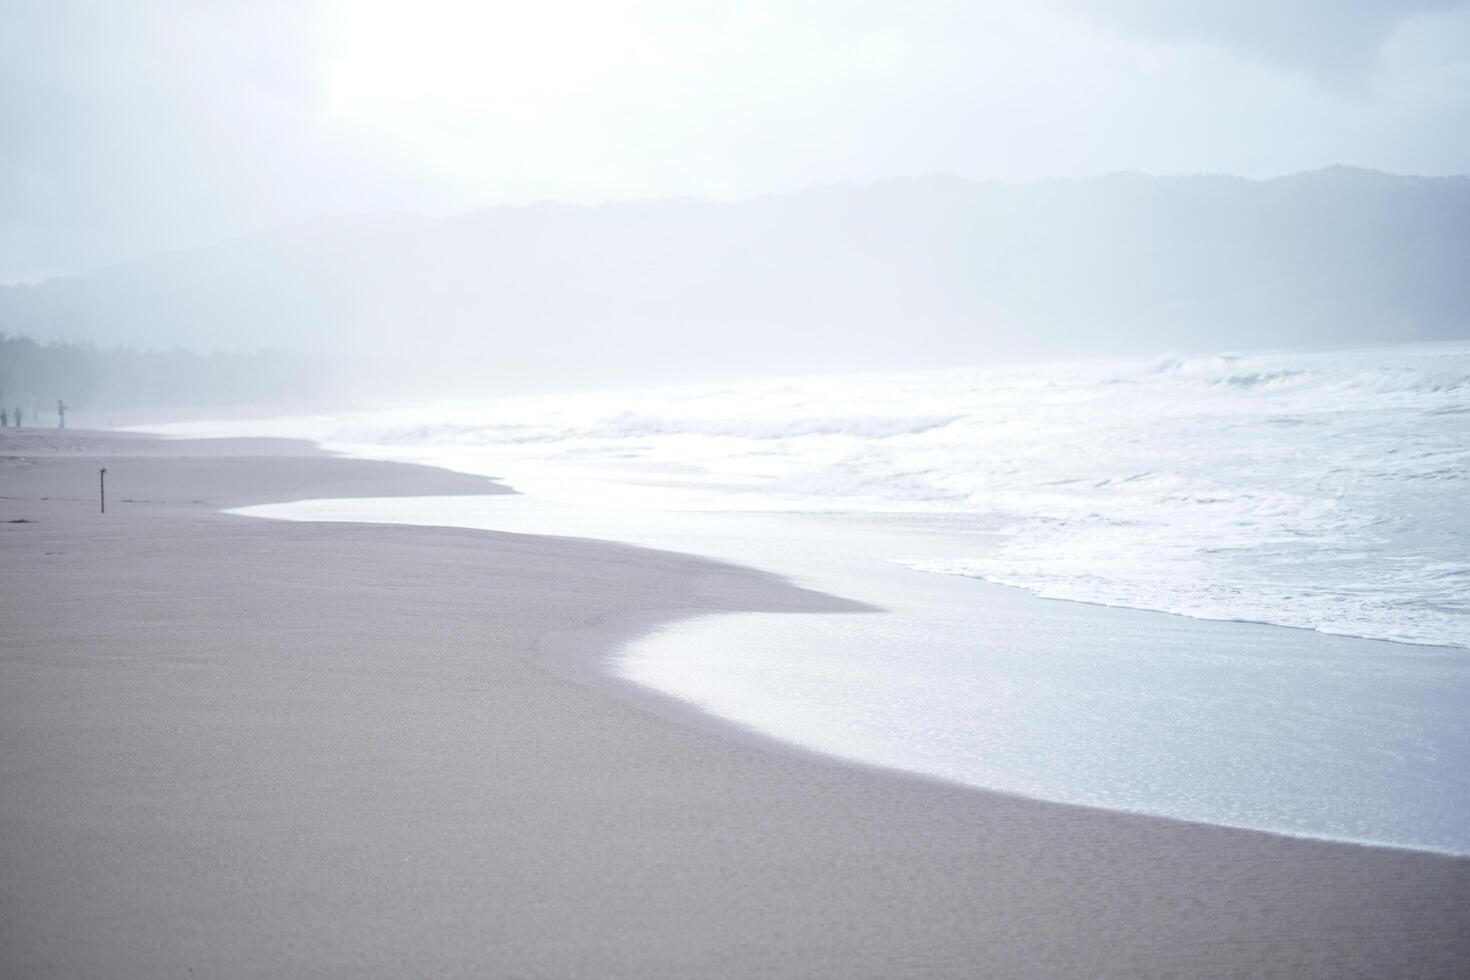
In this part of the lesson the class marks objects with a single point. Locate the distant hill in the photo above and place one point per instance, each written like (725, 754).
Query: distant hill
(912, 272)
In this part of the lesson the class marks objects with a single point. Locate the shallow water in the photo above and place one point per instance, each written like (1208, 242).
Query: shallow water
(1229, 723)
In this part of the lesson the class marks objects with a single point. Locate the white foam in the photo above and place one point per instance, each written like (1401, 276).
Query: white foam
(1321, 489)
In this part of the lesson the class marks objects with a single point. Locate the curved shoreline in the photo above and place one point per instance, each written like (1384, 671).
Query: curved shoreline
(1238, 725)
(248, 746)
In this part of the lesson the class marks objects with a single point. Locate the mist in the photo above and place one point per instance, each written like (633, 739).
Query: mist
(592, 193)
(692, 488)
(915, 273)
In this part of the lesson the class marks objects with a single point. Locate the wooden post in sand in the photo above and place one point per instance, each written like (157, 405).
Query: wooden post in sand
(102, 488)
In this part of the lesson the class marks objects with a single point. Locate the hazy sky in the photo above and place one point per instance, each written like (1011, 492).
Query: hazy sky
(128, 128)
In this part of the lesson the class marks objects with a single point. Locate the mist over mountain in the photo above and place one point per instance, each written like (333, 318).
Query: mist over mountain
(911, 272)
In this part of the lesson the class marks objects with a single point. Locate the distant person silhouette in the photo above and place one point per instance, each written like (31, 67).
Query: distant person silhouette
(17, 418)
(60, 414)
(4, 419)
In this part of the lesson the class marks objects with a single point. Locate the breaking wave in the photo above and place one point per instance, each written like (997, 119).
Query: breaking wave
(1324, 490)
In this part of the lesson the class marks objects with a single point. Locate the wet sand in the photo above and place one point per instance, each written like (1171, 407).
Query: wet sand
(234, 747)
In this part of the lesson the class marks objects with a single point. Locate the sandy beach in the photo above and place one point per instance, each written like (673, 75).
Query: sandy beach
(233, 747)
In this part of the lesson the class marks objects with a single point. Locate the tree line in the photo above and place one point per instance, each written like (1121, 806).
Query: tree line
(92, 379)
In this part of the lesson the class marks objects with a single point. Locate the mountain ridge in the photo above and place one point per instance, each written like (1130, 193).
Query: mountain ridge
(964, 269)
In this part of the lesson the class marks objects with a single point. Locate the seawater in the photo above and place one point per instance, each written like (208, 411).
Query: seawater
(1324, 490)
(1315, 489)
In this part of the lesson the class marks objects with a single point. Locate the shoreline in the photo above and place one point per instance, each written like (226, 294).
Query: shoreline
(579, 659)
(1313, 767)
(558, 829)
(353, 451)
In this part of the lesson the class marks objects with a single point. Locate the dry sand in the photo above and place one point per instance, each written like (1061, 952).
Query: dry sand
(243, 748)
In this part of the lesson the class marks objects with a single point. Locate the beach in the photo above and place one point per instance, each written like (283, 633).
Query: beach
(237, 747)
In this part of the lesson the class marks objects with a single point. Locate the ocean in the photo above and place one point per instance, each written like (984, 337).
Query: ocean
(1320, 490)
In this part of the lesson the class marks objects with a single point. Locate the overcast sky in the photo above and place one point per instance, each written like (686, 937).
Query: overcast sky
(130, 128)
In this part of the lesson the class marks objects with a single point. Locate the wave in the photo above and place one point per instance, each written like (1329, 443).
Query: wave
(627, 425)
(1322, 489)
(1428, 611)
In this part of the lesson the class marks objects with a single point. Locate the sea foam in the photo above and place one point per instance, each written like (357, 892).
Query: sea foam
(1316, 489)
